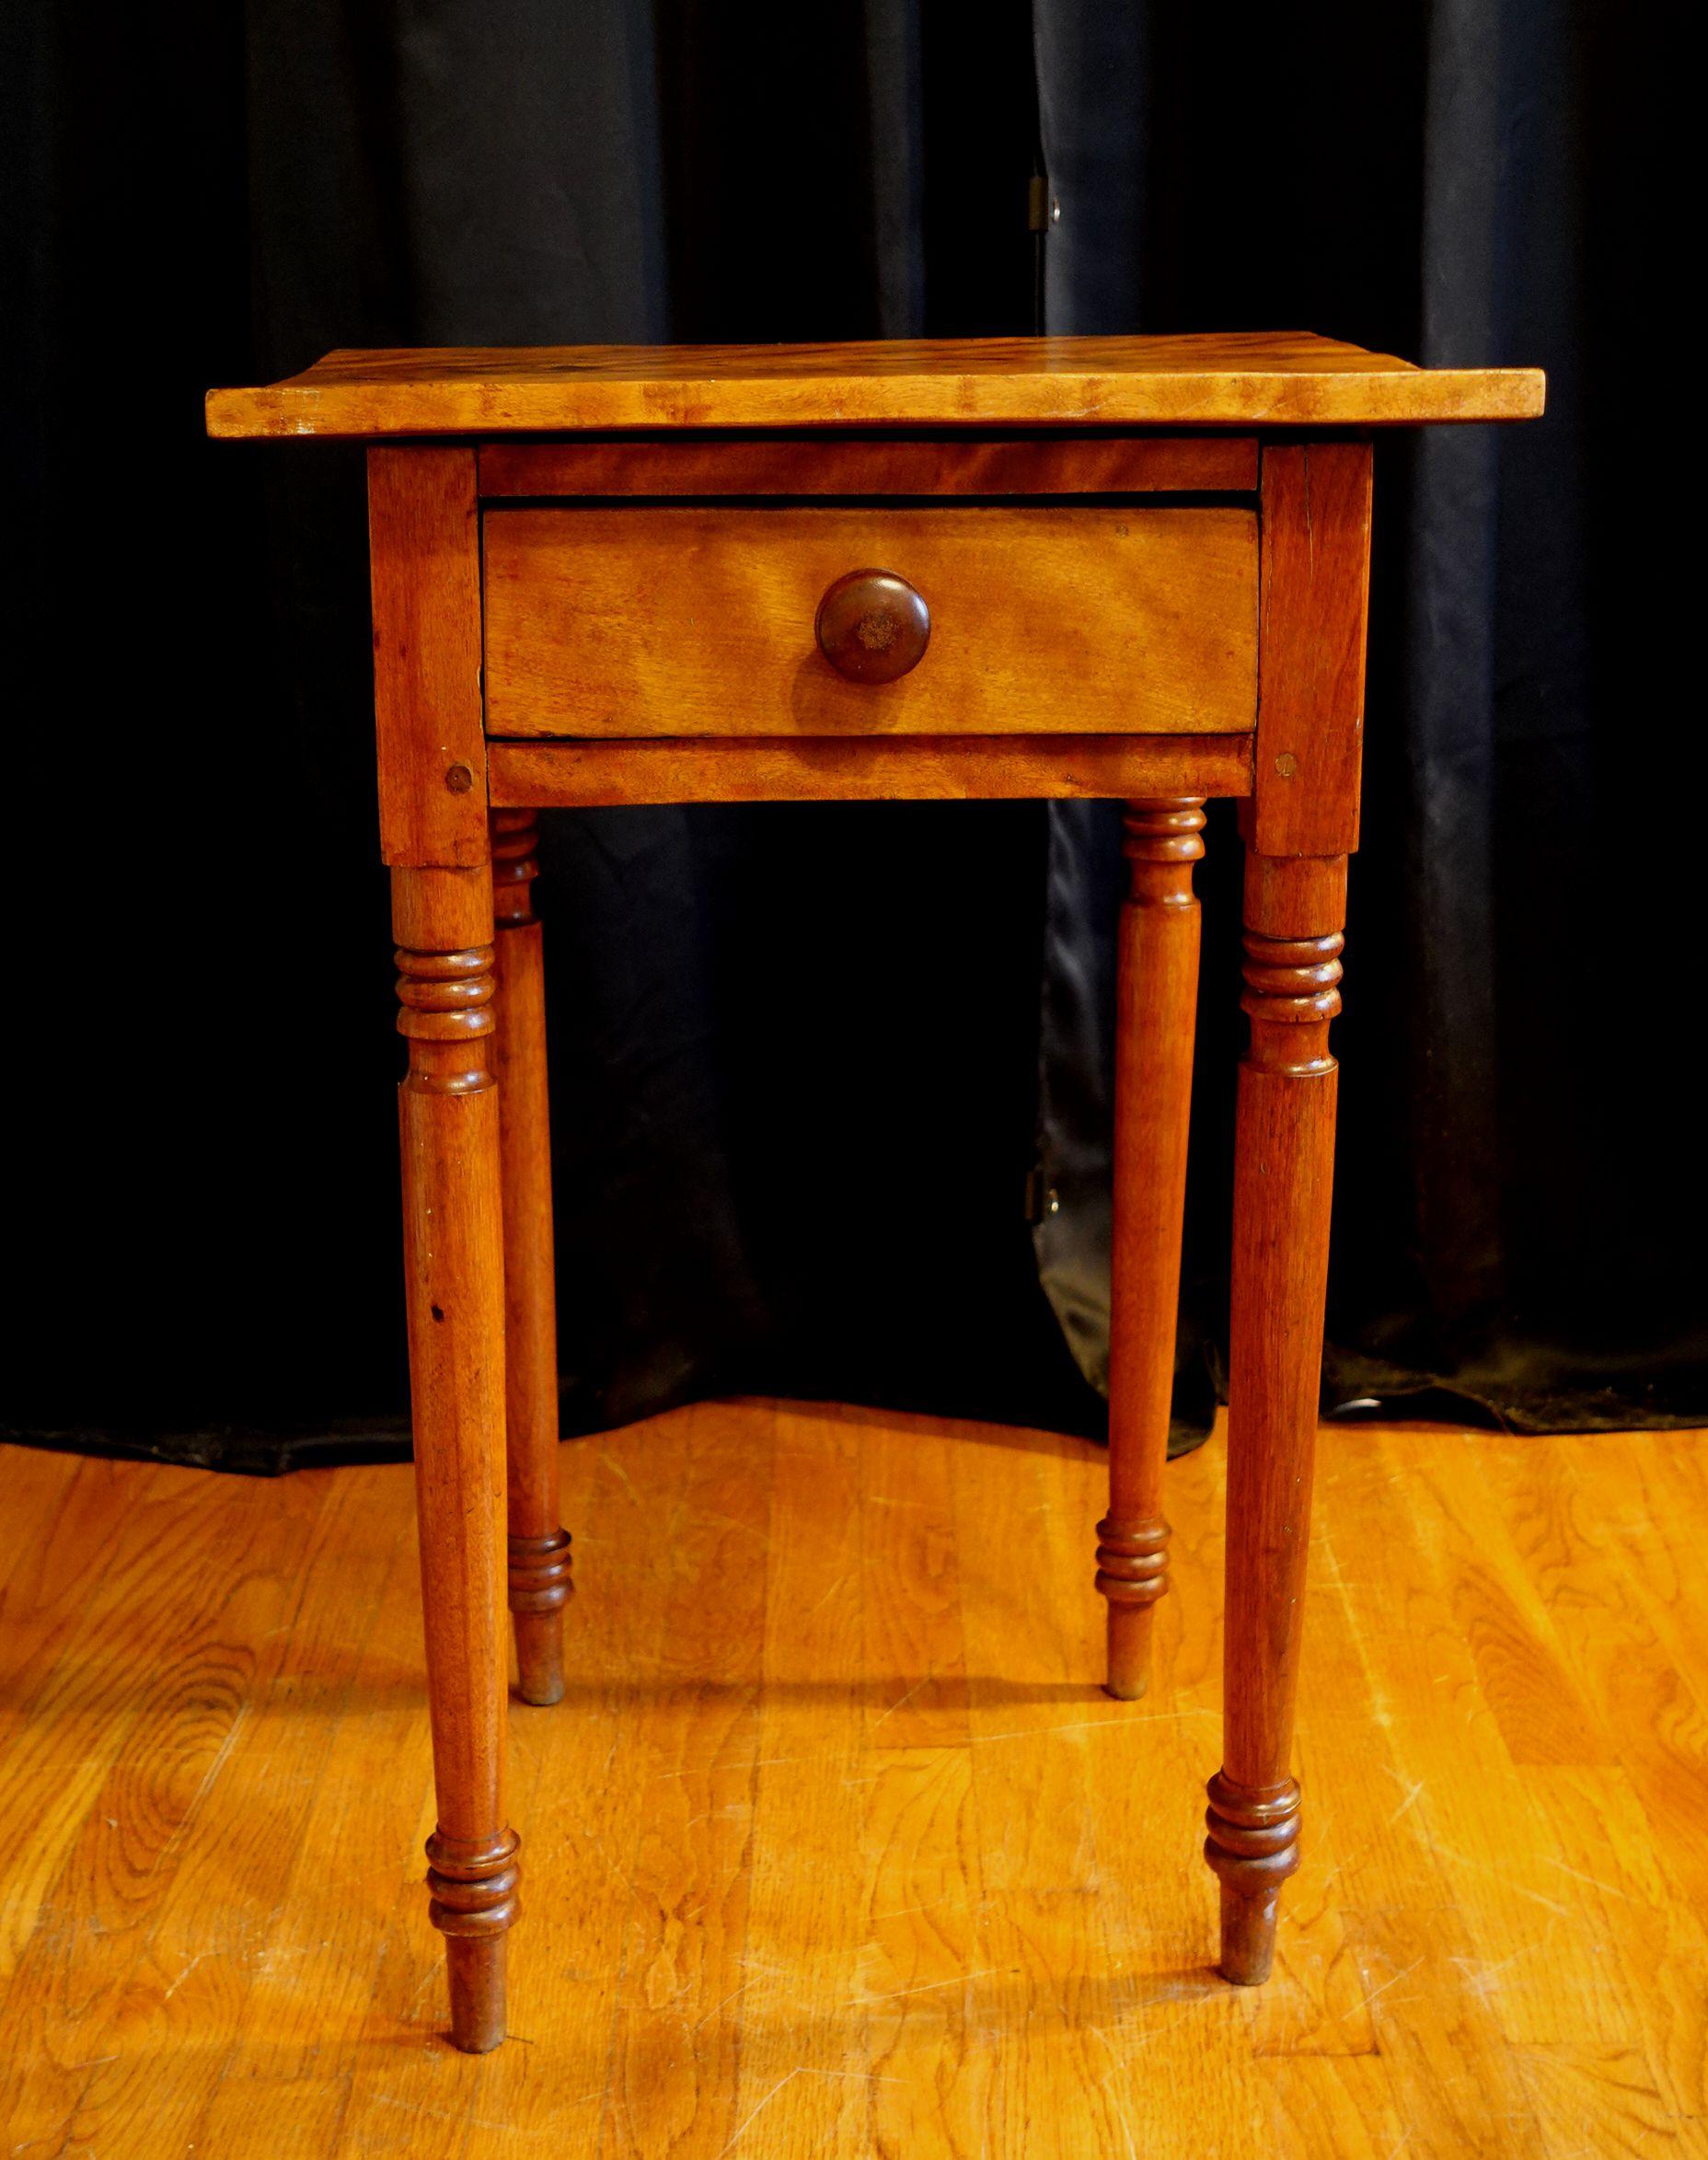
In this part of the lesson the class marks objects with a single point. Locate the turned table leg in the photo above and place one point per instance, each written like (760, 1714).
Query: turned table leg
(1284, 1174)
(453, 1282)
(540, 1546)
(1155, 1010)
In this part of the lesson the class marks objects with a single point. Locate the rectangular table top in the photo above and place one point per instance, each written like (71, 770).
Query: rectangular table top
(1286, 379)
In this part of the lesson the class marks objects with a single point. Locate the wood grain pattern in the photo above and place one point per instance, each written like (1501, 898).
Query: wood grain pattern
(269, 1800)
(1156, 1014)
(538, 1544)
(914, 1637)
(1132, 633)
(1284, 1173)
(1044, 1935)
(1316, 519)
(908, 768)
(454, 1301)
(686, 621)
(424, 556)
(1286, 379)
(108, 1777)
(659, 1686)
(696, 1747)
(1626, 1753)
(1465, 1968)
(798, 2083)
(840, 465)
(358, 1702)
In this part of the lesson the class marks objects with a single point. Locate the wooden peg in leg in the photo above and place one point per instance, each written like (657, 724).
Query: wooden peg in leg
(538, 1545)
(455, 1296)
(1156, 1012)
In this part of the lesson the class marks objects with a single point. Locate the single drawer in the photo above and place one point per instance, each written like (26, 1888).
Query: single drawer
(705, 621)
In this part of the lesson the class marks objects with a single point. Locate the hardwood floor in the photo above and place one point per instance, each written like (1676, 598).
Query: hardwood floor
(835, 1847)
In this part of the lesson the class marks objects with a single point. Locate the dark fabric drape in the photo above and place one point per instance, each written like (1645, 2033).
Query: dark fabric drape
(805, 1058)
(1521, 1161)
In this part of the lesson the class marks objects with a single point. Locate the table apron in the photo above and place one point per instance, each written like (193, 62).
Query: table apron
(836, 769)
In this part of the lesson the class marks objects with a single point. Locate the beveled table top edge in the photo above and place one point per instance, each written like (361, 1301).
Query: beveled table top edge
(1288, 379)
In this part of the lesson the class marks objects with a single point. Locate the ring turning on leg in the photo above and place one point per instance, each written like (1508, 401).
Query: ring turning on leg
(1284, 1147)
(472, 1887)
(1252, 1845)
(454, 1266)
(540, 1547)
(1155, 1015)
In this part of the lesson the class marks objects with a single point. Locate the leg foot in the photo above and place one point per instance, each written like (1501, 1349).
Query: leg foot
(1129, 1653)
(473, 1886)
(539, 1584)
(1252, 1845)
(1247, 1936)
(1132, 1573)
(475, 1967)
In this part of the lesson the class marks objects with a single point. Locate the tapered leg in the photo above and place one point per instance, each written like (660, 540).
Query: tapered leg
(540, 1546)
(1156, 1009)
(454, 1277)
(1284, 1174)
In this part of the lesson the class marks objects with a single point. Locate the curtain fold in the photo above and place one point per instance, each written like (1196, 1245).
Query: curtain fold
(1514, 1172)
(806, 1060)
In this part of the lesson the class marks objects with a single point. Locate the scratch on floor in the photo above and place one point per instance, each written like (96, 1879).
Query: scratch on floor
(841, 1583)
(1110, 1724)
(1102, 2086)
(1114, 2070)
(472, 2121)
(743, 2128)
(1407, 1804)
(808, 2069)
(618, 1472)
(930, 1986)
(924, 1679)
(729, 1522)
(1595, 1882)
(740, 1988)
(1404, 1973)
(185, 1974)
(1482, 1978)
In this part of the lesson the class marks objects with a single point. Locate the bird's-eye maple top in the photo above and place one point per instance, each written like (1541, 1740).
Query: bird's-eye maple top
(1286, 379)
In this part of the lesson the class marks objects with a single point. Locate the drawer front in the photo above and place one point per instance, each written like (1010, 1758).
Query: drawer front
(700, 621)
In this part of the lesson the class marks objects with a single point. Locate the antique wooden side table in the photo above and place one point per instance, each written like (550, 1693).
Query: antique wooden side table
(1123, 567)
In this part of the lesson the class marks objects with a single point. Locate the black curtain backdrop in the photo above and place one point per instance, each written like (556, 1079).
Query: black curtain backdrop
(805, 1058)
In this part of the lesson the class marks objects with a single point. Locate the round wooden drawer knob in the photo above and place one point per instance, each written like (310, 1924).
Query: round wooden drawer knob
(872, 626)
